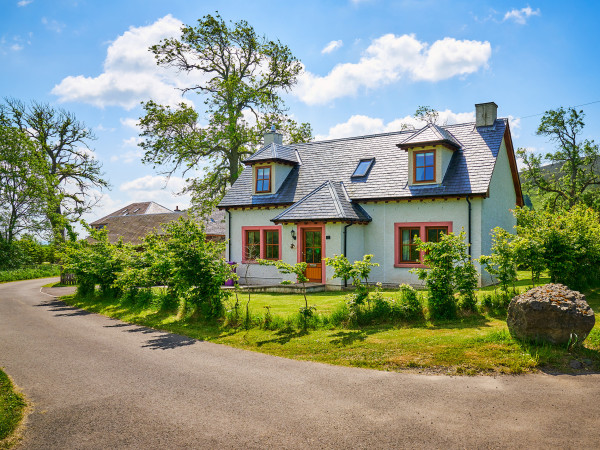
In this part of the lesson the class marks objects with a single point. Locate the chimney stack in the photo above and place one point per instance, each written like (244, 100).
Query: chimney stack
(485, 114)
(273, 137)
(177, 208)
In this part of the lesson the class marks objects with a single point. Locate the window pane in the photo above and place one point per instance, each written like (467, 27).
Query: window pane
(405, 253)
(309, 255)
(406, 236)
(420, 159)
(428, 173)
(429, 159)
(414, 253)
(420, 173)
(309, 238)
(317, 255)
(414, 234)
(432, 235)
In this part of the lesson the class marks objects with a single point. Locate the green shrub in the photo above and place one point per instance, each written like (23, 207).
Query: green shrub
(449, 270)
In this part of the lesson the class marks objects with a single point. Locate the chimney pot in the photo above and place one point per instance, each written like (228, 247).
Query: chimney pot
(273, 137)
(177, 208)
(485, 114)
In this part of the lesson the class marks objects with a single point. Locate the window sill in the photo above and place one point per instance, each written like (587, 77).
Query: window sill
(410, 265)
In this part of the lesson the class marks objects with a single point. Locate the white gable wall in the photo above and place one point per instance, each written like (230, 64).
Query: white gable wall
(496, 211)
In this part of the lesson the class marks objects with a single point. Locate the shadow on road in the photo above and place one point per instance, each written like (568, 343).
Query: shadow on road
(168, 342)
(164, 341)
(62, 308)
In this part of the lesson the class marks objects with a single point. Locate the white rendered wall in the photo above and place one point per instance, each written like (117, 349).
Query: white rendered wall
(496, 211)
(379, 234)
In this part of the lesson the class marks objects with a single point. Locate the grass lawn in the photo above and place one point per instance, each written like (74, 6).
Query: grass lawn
(475, 344)
(12, 408)
(41, 271)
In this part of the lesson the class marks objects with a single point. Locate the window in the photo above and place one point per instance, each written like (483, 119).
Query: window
(406, 253)
(434, 233)
(252, 246)
(408, 247)
(424, 166)
(363, 167)
(272, 244)
(263, 179)
(261, 242)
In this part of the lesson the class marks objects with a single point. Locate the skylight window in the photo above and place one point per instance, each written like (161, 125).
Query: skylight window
(364, 165)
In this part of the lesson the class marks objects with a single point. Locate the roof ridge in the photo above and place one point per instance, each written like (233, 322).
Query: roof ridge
(296, 204)
(336, 199)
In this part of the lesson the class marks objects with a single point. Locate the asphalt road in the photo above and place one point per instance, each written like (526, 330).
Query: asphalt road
(101, 383)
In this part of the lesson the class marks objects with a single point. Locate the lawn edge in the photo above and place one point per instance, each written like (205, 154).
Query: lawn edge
(18, 433)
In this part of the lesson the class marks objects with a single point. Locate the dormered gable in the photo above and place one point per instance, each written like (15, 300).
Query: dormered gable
(430, 135)
(274, 152)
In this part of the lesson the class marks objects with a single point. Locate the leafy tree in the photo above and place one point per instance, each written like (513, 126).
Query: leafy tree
(298, 269)
(569, 175)
(502, 263)
(21, 189)
(243, 75)
(427, 114)
(95, 263)
(70, 171)
(449, 270)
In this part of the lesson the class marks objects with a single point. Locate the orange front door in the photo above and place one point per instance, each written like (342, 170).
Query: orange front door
(311, 253)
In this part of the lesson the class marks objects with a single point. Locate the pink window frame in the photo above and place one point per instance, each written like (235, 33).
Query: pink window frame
(263, 242)
(422, 228)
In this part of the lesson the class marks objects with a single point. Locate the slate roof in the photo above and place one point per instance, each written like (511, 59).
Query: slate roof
(430, 134)
(274, 152)
(329, 201)
(135, 209)
(469, 171)
(133, 228)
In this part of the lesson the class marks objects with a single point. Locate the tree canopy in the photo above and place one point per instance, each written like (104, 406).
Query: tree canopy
(70, 171)
(21, 188)
(242, 76)
(569, 175)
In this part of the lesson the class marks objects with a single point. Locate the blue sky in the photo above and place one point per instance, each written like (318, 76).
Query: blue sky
(369, 64)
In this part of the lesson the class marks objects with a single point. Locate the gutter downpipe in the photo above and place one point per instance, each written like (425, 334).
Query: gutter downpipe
(229, 234)
(345, 242)
(469, 226)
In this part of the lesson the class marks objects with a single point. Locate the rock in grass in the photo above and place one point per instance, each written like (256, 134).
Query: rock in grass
(551, 313)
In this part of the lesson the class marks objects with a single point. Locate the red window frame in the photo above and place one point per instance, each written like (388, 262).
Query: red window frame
(266, 177)
(262, 242)
(423, 227)
(424, 166)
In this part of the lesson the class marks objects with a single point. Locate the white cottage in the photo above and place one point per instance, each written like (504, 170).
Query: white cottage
(372, 195)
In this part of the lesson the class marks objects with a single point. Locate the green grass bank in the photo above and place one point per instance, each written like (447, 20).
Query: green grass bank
(12, 409)
(475, 343)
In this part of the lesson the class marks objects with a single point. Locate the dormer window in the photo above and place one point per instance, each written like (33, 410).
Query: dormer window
(424, 166)
(364, 165)
(263, 179)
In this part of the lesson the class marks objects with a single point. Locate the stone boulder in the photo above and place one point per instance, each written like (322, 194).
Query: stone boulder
(551, 313)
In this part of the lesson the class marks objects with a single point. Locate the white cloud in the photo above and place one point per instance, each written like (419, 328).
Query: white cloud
(520, 16)
(22, 3)
(133, 141)
(53, 25)
(333, 45)
(130, 72)
(16, 47)
(159, 189)
(130, 122)
(515, 126)
(390, 58)
(359, 125)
